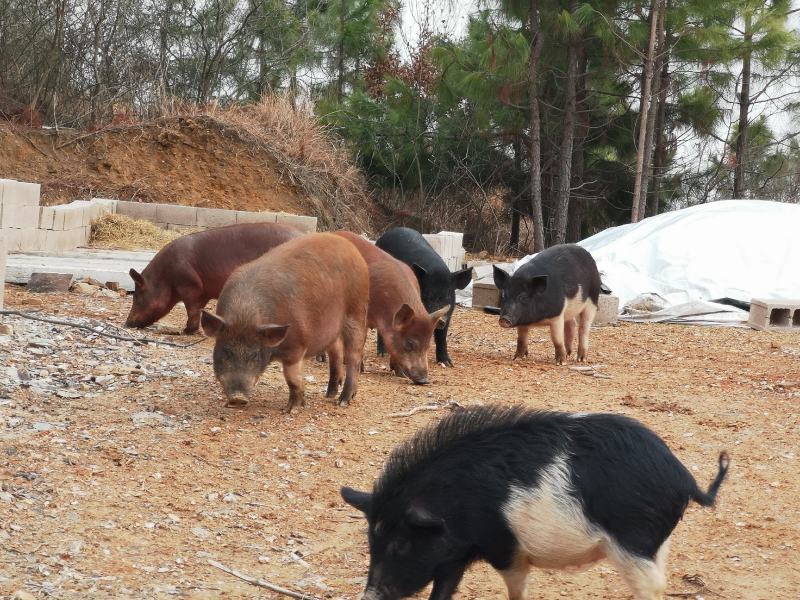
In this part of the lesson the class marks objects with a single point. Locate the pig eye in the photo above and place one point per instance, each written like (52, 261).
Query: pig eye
(409, 345)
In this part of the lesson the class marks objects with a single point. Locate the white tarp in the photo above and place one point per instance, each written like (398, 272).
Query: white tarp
(740, 249)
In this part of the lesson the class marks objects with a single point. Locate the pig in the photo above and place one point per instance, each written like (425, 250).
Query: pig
(437, 284)
(519, 488)
(194, 267)
(554, 288)
(305, 297)
(396, 311)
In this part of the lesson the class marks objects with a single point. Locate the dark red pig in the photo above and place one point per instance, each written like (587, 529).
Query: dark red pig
(305, 297)
(193, 269)
(395, 309)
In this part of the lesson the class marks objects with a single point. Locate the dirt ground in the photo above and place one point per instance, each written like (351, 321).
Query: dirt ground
(181, 162)
(121, 508)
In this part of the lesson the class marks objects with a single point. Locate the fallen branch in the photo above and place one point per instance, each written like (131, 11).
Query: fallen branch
(451, 405)
(125, 338)
(260, 582)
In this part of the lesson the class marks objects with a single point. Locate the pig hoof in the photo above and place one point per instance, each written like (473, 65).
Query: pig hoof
(519, 354)
(344, 403)
(236, 403)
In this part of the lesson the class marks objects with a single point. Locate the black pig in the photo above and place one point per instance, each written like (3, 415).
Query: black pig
(437, 284)
(519, 488)
(554, 288)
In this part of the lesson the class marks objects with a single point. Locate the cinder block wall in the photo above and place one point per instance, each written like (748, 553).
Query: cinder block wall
(28, 227)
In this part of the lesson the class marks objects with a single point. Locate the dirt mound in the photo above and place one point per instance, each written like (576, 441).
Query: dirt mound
(258, 157)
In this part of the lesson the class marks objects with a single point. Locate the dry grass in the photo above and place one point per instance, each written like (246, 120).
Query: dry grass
(120, 232)
(305, 152)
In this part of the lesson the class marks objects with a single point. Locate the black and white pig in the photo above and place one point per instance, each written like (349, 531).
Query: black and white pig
(554, 288)
(519, 488)
(437, 284)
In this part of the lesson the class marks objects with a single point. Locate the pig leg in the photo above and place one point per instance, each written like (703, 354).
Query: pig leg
(522, 343)
(557, 335)
(354, 336)
(646, 578)
(293, 374)
(586, 319)
(335, 377)
(445, 582)
(569, 334)
(516, 578)
(440, 337)
(194, 309)
(381, 348)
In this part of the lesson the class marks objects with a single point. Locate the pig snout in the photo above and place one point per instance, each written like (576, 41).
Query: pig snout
(372, 594)
(505, 322)
(236, 399)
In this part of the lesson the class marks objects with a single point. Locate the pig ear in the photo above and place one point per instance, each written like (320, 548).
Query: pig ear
(423, 518)
(273, 334)
(403, 317)
(137, 277)
(439, 316)
(420, 272)
(500, 277)
(212, 324)
(360, 500)
(538, 284)
(461, 278)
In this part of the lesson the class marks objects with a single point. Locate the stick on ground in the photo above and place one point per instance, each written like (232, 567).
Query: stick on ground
(452, 404)
(260, 582)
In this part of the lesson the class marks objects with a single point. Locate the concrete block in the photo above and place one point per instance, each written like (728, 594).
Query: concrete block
(19, 216)
(24, 240)
(176, 214)
(90, 212)
(107, 205)
(214, 217)
(19, 193)
(179, 228)
(246, 216)
(303, 223)
(607, 309)
(781, 314)
(436, 242)
(144, 211)
(3, 259)
(484, 293)
(63, 241)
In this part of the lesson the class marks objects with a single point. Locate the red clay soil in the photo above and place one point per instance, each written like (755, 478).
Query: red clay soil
(149, 520)
(176, 160)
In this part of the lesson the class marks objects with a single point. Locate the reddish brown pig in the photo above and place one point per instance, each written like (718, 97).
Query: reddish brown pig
(305, 297)
(193, 269)
(395, 309)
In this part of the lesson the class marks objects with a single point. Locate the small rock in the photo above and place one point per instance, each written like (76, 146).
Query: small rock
(231, 497)
(23, 595)
(108, 293)
(49, 282)
(212, 497)
(338, 463)
(43, 426)
(92, 281)
(6, 329)
(41, 343)
(85, 289)
(263, 559)
(113, 285)
(201, 532)
(6, 497)
(67, 394)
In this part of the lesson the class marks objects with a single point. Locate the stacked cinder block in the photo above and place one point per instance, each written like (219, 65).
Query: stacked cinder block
(68, 226)
(19, 214)
(3, 256)
(448, 245)
(774, 314)
(179, 217)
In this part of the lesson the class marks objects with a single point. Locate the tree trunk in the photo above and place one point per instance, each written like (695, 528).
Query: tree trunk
(744, 109)
(516, 201)
(567, 139)
(655, 7)
(575, 220)
(651, 115)
(537, 41)
(660, 153)
(340, 57)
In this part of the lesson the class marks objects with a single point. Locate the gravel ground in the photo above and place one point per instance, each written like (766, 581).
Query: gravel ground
(122, 474)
